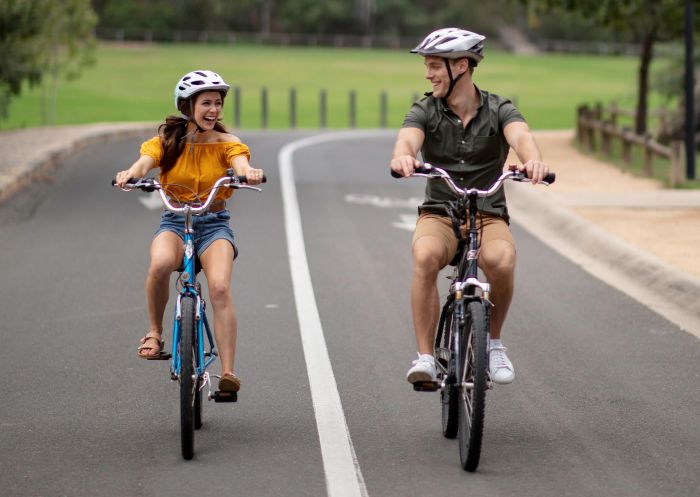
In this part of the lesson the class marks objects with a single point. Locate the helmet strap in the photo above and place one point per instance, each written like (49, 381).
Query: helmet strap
(453, 81)
(192, 119)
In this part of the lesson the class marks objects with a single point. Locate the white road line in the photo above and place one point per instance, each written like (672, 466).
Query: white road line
(342, 470)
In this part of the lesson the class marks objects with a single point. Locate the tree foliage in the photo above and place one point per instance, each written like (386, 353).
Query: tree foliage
(375, 17)
(646, 21)
(39, 37)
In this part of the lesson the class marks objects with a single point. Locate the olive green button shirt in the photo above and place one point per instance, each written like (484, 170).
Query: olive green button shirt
(474, 155)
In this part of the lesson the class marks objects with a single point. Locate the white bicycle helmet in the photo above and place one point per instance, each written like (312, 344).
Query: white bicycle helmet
(197, 81)
(452, 43)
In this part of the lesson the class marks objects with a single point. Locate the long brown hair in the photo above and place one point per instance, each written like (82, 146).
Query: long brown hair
(172, 132)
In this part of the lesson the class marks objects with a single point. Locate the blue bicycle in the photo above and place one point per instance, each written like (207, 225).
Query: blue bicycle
(189, 356)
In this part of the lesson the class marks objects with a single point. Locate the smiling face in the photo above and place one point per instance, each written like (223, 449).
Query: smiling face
(436, 73)
(207, 109)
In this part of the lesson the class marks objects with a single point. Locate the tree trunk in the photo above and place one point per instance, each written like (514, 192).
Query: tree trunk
(648, 39)
(643, 82)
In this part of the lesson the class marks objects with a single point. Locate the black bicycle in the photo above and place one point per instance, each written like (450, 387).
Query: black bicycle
(462, 337)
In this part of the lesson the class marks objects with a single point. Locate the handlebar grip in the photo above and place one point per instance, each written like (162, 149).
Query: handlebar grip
(244, 180)
(419, 170)
(550, 178)
(131, 181)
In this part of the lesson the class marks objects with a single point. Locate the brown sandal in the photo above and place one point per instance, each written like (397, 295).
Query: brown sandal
(229, 383)
(151, 335)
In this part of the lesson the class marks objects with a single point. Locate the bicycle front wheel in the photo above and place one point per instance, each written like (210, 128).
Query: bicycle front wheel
(472, 385)
(446, 356)
(188, 379)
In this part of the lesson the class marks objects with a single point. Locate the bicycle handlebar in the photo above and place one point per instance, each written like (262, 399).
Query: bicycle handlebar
(152, 184)
(431, 172)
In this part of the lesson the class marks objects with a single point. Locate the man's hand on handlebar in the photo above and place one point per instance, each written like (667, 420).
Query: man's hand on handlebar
(536, 170)
(404, 165)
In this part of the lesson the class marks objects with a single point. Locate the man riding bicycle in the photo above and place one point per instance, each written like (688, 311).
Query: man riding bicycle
(468, 132)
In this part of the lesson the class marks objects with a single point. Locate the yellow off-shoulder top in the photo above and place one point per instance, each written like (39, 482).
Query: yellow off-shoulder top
(197, 168)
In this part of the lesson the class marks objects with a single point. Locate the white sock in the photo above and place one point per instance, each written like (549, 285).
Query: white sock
(493, 344)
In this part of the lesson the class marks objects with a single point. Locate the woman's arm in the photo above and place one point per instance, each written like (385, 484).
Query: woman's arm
(138, 169)
(243, 168)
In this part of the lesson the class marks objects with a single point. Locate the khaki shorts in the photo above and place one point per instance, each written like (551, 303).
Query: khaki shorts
(490, 228)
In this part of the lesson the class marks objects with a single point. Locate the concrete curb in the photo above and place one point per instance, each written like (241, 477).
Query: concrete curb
(668, 290)
(80, 136)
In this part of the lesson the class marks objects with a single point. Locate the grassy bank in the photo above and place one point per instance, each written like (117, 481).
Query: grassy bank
(135, 83)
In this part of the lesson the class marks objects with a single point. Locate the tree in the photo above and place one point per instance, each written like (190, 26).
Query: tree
(648, 21)
(40, 37)
(20, 30)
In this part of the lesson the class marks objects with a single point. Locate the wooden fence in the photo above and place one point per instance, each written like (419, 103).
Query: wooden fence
(597, 128)
(293, 111)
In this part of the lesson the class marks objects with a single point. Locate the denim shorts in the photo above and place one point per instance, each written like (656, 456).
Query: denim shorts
(208, 227)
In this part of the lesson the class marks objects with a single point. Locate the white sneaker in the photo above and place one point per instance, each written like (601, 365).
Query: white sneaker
(423, 369)
(500, 367)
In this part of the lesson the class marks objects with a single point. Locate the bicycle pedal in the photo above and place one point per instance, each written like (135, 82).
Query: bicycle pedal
(164, 356)
(220, 396)
(426, 386)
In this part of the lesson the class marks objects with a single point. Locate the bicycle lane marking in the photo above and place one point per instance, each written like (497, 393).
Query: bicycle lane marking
(341, 467)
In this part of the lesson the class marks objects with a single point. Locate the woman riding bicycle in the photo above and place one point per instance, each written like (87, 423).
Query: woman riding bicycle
(192, 151)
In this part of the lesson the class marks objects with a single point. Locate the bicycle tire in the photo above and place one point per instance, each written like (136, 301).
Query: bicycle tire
(188, 382)
(448, 395)
(198, 391)
(473, 371)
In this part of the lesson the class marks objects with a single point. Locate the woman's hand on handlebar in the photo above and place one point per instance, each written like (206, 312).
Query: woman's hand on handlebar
(123, 177)
(404, 165)
(254, 176)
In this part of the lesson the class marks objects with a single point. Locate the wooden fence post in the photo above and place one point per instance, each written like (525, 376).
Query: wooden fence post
(606, 129)
(292, 108)
(613, 111)
(263, 108)
(352, 110)
(382, 109)
(677, 173)
(580, 113)
(648, 155)
(237, 107)
(322, 109)
(626, 146)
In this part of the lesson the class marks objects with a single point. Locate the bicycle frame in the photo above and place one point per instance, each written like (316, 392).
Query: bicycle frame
(462, 338)
(188, 279)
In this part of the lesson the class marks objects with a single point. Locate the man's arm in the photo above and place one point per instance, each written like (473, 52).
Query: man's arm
(520, 139)
(406, 148)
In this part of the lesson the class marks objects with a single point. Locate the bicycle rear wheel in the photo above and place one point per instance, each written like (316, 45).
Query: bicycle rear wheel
(445, 355)
(473, 384)
(188, 380)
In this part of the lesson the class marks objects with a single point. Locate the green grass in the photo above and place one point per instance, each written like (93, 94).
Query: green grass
(135, 82)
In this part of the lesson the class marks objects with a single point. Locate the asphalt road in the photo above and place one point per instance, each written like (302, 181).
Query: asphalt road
(605, 402)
